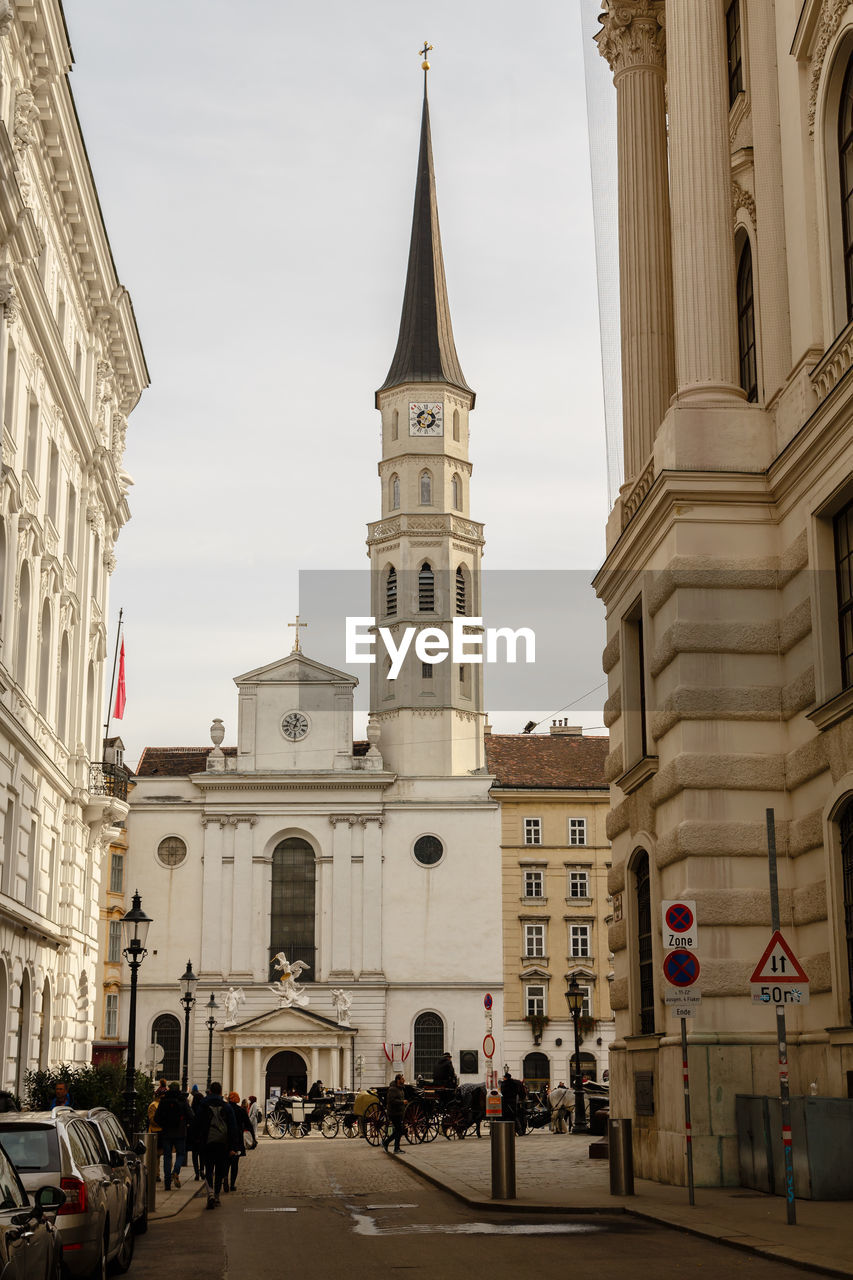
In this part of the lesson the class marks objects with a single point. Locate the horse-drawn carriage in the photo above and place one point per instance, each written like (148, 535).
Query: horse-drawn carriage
(429, 1111)
(295, 1117)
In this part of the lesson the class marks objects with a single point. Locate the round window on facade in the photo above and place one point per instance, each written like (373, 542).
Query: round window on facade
(172, 851)
(428, 850)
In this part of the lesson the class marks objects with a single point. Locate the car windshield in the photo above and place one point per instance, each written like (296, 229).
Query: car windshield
(10, 1188)
(32, 1149)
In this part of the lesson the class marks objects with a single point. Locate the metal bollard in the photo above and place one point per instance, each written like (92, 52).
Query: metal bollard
(503, 1159)
(152, 1159)
(620, 1142)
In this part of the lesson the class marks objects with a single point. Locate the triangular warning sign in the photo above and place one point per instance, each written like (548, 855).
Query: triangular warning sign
(778, 963)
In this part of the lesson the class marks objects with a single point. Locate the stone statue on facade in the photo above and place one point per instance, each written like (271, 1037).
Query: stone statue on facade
(287, 989)
(342, 1002)
(234, 997)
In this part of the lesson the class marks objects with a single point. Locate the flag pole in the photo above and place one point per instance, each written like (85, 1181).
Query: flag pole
(112, 684)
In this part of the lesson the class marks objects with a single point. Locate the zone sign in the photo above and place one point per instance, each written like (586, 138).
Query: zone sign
(679, 925)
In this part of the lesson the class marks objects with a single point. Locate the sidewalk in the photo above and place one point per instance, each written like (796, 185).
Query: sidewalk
(554, 1172)
(170, 1203)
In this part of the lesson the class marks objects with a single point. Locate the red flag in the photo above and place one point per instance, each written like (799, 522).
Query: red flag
(121, 690)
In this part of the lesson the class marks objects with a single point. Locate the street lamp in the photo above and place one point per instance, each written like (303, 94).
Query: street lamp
(134, 932)
(574, 999)
(188, 982)
(211, 1023)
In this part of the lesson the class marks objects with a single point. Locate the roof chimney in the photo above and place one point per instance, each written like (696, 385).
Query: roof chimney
(566, 730)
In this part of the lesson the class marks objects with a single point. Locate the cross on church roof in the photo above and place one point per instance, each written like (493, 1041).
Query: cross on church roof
(297, 624)
(423, 53)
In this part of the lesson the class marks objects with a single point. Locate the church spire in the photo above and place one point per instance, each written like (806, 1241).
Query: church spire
(425, 351)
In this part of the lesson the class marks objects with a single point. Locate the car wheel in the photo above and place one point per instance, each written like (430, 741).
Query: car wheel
(140, 1226)
(99, 1271)
(124, 1257)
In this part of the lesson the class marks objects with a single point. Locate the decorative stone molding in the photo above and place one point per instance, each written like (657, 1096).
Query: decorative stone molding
(26, 114)
(834, 365)
(7, 17)
(831, 14)
(634, 500)
(742, 199)
(633, 35)
(8, 294)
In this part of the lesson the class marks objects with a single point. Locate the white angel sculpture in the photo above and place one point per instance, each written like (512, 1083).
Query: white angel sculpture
(234, 997)
(342, 1003)
(288, 989)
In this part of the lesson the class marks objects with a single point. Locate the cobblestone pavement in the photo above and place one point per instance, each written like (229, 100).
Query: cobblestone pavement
(309, 1167)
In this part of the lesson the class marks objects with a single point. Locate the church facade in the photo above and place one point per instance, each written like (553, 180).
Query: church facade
(364, 874)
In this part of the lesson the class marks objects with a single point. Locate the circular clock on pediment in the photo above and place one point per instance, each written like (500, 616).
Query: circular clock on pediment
(426, 419)
(294, 726)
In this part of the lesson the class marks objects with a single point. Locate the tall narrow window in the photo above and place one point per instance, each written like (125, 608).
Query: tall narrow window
(9, 402)
(534, 941)
(31, 457)
(461, 592)
(23, 625)
(96, 565)
(391, 592)
(114, 942)
(60, 316)
(71, 522)
(426, 589)
(53, 482)
(116, 873)
(456, 493)
(111, 1015)
(429, 1043)
(395, 424)
(395, 493)
(532, 830)
(62, 695)
(426, 489)
(845, 165)
(843, 527)
(734, 48)
(645, 965)
(292, 906)
(426, 670)
(45, 653)
(579, 941)
(746, 324)
(78, 362)
(846, 832)
(456, 431)
(3, 559)
(166, 1031)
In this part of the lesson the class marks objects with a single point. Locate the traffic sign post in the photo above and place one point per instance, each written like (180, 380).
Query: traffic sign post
(781, 963)
(681, 970)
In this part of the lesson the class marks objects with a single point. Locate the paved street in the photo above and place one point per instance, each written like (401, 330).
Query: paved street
(313, 1207)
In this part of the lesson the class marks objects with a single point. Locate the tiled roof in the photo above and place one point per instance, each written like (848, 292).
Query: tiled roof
(549, 761)
(180, 762)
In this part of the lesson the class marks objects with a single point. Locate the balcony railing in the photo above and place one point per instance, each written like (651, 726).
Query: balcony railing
(107, 780)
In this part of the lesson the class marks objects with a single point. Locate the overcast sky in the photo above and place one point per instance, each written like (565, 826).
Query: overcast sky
(256, 170)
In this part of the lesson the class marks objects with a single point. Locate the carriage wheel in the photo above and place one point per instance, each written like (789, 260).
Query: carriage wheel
(276, 1126)
(375, 1124)
(454, 1123)
(329, 1126)
(350, 1126)
(298, 1128)
(415, 1122)
(432, 1127)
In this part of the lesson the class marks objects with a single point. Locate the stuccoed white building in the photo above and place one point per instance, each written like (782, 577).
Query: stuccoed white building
(71, 370)
(727, 580)
(376, 864)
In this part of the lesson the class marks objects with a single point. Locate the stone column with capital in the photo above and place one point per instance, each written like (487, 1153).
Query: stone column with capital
(633, 42)
(341, 896)
(707, 367)
(242, 901)
(372, 897)
(212, 896)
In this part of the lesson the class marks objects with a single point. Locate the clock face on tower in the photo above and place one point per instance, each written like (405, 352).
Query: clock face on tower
(426, 419)
(294, 725)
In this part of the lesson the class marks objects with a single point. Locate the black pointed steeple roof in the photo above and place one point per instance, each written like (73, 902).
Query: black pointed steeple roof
(425, 351)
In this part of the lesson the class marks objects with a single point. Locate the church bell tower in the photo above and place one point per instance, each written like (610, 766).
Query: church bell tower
(425, 551)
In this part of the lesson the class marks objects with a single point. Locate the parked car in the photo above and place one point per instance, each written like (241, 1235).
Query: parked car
(30, 1245)
(126, 1163)
(94, 1223)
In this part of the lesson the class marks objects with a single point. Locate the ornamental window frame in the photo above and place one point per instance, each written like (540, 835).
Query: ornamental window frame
(530, 878)
(531, 832)
(534, 935)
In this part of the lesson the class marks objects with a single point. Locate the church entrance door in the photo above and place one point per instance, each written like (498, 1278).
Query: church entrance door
(287, 1071)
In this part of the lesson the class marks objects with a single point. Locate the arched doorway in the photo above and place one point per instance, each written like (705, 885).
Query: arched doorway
(537, 1072)
(287, 1071)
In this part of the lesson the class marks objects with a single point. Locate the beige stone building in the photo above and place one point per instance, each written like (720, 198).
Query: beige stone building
(555, 857)
(727, 580)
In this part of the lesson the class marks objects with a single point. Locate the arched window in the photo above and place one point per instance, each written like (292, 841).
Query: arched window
(426, 489)
(456, 493)
(845, 168)
(391, 592)
(746, 324)
(71, 523)
(24, 1031)
(292, 906)
(62, 699)
(645, 963)
(44, 659)
(91, 712)
(455, 424)
(426, 589)
(395, 424)
(536, 1071)
(461, 592)
(44, 1027)
(166, 1031)
(4, 1002)
(846, 833)
(429, 1043)
(23, 625)
(395, 492)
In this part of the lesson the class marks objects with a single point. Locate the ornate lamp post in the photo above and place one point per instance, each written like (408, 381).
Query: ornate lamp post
(134, 932)
(188, 982)
(211, 1023)
(574, 999)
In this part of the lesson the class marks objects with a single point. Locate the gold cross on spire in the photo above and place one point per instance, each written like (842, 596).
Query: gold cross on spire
(423, 52)
(297, 624)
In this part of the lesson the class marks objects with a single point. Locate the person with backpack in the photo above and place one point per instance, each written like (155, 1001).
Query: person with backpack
(245, 1133)
(173, 1114)
(218, 1139)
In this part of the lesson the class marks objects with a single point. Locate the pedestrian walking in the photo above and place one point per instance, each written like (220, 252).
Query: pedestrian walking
(218, 1137)
(256, 1115)
(193, 1144)
(558, 1101)
(244, 1132)
(395, 1105)
(173, 1115)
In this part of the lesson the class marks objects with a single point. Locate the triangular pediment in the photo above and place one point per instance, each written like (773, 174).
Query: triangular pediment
(288, 1022)
(296, 668)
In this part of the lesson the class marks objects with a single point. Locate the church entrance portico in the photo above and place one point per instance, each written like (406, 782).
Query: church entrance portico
(288, 1072)
(288, 1049)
